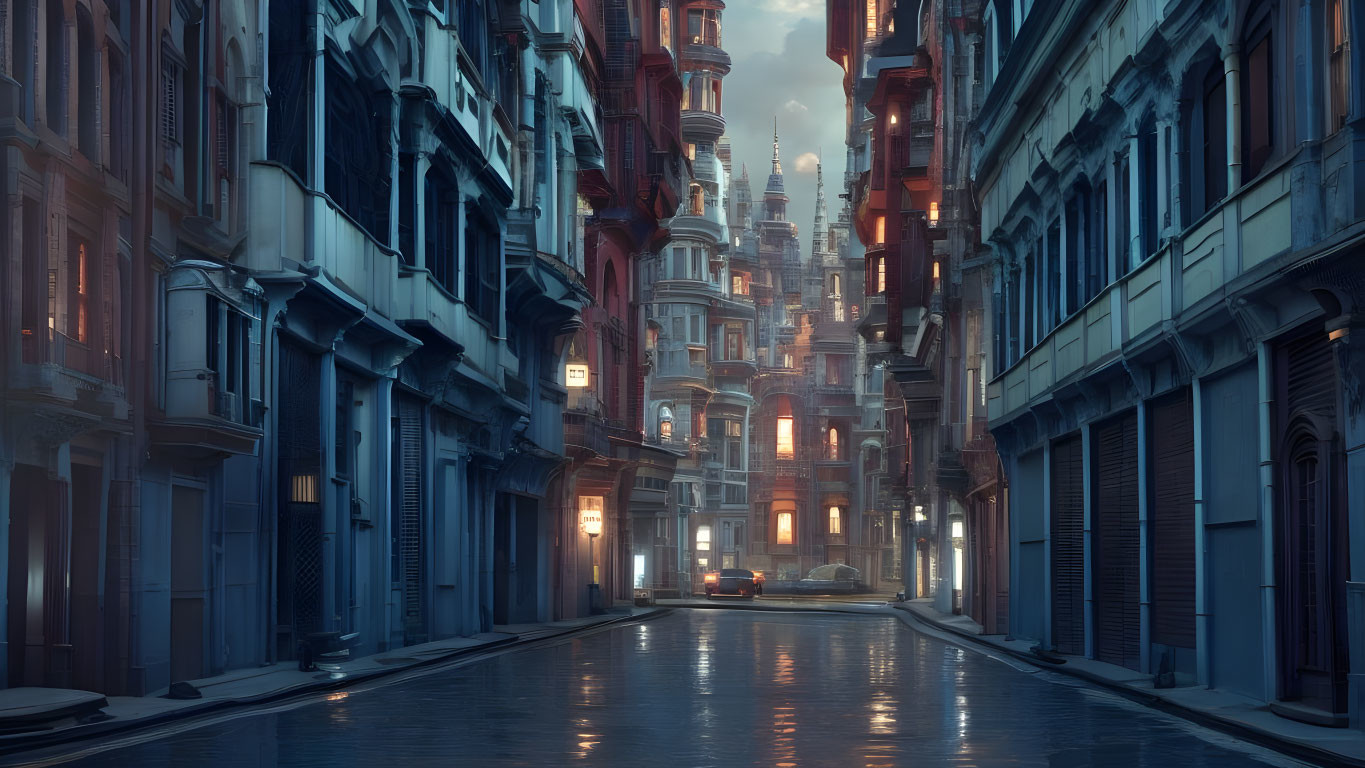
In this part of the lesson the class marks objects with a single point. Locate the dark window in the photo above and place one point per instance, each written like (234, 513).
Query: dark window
(483, 266)
(56, 69)
(287, 135)
(1123, 214)
(213, 335)
(344, 426)
(22, 35)
(1030, 278)
(407, 209)
(1148, 215)
(1206, 140)
(1076, 228)
(442, 227)
(1259, 92)
(356, 175)
(120, 134)
(88, 76)
(1054, 275)
(1097, 254)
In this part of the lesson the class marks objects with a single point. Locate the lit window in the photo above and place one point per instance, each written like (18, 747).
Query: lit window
(1338, 54)
(784, 528)
(871, 18)
(881, 274)
(835, 521)
(666, 430)
(82, 293)
(575, 375)
(785, 448)
(881, 230)
(665, 26)
(703, 538)
(787, 360)
(833, 444)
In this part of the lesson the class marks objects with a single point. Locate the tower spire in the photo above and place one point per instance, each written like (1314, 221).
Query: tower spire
(775, 185)
(819, 240)
(777, 160)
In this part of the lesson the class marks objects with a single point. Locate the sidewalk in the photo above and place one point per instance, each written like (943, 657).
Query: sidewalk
(32, 718)
(1238, 715)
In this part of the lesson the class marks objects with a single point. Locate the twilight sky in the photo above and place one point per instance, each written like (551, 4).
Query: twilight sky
(779, 68)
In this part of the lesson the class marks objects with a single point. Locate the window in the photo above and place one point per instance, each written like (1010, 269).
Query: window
(833, 442)
(784, 528)
(1123, 217)
(835, 521)
(356, 173)
(787, 361)
(881, 274)
(666, 430)
(483, 266)
(1054, 276)
(88, 81)
(1149, 217)
(1097, 253)
(703, 538)
(1206, 137)
(1258, 92)
(441, 214)
(78, 317)
(734, 341)
(703, 27)
(871, 18)
(786, 449)
(880, 235)
(665, 25)
(170, 96)
(56, 69)
(224, 157)
(1338, 64)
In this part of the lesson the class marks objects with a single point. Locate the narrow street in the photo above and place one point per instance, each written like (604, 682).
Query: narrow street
(710, 688)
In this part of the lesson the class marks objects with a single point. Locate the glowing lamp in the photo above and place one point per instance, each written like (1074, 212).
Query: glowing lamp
(590, 515)
(576, 375)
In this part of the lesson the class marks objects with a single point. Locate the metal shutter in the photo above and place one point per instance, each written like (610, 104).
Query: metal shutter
(1173, 521)
(409, 522)
(300, 522)
(1068, 547)
(1115, 543)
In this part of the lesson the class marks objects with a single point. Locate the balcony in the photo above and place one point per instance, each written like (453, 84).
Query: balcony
(701, 125)
(705, 50)
(705, 228)
(585, 431)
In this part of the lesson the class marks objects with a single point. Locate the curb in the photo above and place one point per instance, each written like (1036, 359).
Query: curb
(27, 742)
(1289, 747)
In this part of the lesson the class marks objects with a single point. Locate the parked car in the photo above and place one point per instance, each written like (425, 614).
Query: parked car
(832, 579)
(732, 581)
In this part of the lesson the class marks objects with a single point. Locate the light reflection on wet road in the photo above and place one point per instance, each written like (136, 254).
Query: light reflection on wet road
(714, 688)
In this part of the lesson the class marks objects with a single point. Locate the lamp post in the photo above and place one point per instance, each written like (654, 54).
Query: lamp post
(590, 522)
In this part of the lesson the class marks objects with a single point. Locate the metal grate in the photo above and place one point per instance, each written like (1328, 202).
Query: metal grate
(1068, 547)
(410, 518)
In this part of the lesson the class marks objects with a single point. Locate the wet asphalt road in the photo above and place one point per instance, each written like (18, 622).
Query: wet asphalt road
(713, 688)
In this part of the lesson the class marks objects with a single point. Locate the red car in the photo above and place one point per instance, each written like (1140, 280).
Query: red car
(733, 581)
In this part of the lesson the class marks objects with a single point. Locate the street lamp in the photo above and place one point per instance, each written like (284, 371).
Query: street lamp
(590, 522)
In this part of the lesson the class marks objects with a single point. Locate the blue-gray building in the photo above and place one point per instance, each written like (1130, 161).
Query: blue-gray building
(1171, 192)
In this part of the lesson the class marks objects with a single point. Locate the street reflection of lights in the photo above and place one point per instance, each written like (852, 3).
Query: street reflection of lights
(338, 696)
(784, 671)
(882, 721)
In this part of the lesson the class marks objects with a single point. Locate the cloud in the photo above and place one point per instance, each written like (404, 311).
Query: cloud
(787, 76)
(806, 162)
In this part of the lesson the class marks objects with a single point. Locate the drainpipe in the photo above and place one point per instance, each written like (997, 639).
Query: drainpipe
(1265, 521)
(1232, 57)
(1203, 673)
(1144, 544)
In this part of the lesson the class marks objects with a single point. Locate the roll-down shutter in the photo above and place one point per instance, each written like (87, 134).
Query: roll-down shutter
(1068, 547)
(1115, 541)
(1173, 521)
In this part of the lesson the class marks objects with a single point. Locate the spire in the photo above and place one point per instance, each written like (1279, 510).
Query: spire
(775, 178)
(819, 239)
(777, 160)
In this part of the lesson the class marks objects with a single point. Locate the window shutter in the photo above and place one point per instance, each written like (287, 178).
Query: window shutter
(1115, 544)
(169, 129)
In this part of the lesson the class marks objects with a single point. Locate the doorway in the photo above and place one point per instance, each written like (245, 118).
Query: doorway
(188, 593)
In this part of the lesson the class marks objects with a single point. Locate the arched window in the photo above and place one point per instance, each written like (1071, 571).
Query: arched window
(1205, 135)
(55, 74)
(833, 443)
(88, 81)
(665, 423)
